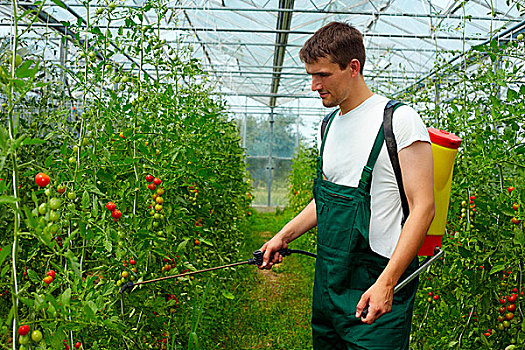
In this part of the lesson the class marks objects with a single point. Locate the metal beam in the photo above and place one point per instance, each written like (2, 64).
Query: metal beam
(313, 11)
(254, 31)
(284, 21)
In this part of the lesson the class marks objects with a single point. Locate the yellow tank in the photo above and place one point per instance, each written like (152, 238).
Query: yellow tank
(444, 149)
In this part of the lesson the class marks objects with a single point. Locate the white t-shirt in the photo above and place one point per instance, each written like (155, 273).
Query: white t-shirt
(348, 145)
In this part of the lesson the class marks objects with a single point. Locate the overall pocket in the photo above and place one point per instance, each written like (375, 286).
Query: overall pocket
(335, 224)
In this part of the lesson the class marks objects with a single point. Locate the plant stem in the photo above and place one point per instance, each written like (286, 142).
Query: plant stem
(12, 135)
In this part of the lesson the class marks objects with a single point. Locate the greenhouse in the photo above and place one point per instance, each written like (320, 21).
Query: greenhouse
(149, 149)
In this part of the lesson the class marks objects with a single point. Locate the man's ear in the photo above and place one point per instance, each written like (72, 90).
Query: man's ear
(354, 66)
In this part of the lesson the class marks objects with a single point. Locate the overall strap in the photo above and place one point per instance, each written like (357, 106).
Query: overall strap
(366, 174)
(391, 146)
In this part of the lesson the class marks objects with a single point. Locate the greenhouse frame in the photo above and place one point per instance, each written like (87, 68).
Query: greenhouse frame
(163, 129)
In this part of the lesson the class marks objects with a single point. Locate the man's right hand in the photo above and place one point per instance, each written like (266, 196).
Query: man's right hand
(272, 246)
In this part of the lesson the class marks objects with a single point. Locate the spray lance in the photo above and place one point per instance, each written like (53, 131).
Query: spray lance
(256, 260)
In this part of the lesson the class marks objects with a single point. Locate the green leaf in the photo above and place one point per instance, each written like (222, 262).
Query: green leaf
(4, 253)
(23, 71)
(8, 199)
(497, 268)
(48, 161)
(206, 242)
(228, 295)
(66, 297)
(85, 200)
(89, 313)
(59, 3)
(94, 189)
(512, 95)
(57, 339)
(33, 142)
(73, 262)
(182, 245)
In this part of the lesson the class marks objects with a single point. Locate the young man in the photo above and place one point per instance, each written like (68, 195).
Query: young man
(363, 249)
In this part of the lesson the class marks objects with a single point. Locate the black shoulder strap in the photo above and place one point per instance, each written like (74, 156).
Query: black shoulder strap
(325, 123)
(391, 146)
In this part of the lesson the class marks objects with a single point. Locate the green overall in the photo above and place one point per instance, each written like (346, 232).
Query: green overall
(346, 267)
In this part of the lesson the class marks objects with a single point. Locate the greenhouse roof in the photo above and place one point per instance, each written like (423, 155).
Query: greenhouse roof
(251, 48)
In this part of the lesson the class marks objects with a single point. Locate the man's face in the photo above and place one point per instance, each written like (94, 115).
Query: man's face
(332, 83)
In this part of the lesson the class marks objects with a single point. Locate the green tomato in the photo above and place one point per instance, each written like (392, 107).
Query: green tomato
(520, 37)
(52, 228)
(54, 215)
(36, 336)
(23, 339)
(42, 208)
(47, 192)
(55, 203)
(71, 195)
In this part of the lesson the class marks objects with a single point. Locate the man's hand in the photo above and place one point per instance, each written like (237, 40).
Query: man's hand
(272, 246)
(379, 299)
(306, 219)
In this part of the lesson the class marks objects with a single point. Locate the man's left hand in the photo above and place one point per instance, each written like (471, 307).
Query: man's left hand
(379, 300)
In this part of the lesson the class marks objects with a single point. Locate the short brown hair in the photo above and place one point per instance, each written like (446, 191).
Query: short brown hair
(340, 42)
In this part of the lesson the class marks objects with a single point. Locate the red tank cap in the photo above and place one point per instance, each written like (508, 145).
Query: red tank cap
(444, 138)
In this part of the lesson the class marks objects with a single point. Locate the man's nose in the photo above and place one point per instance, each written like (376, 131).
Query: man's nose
(316, 84)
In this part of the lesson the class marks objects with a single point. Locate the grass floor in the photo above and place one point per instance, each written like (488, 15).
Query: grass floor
(272, 309)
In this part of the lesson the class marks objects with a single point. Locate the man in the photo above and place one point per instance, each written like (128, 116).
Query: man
(363, 248)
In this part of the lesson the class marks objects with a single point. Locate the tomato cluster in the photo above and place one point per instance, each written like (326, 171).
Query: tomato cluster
(50, 277)
(115, 213)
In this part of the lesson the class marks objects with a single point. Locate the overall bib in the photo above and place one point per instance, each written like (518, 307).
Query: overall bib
(346, 267)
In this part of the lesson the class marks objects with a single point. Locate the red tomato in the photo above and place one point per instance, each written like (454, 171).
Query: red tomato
(511, 188)
(511, 307)
(48, 280)
(156, 181)
(436, 297)
(132, 262)
(116, 214)
(515, 206)
(512, 298)
(52, 274)
(61, 189)
(23, 330)
(78, 345)
(42, 179)
(152, 187)
(149, 178)
(111, 206)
